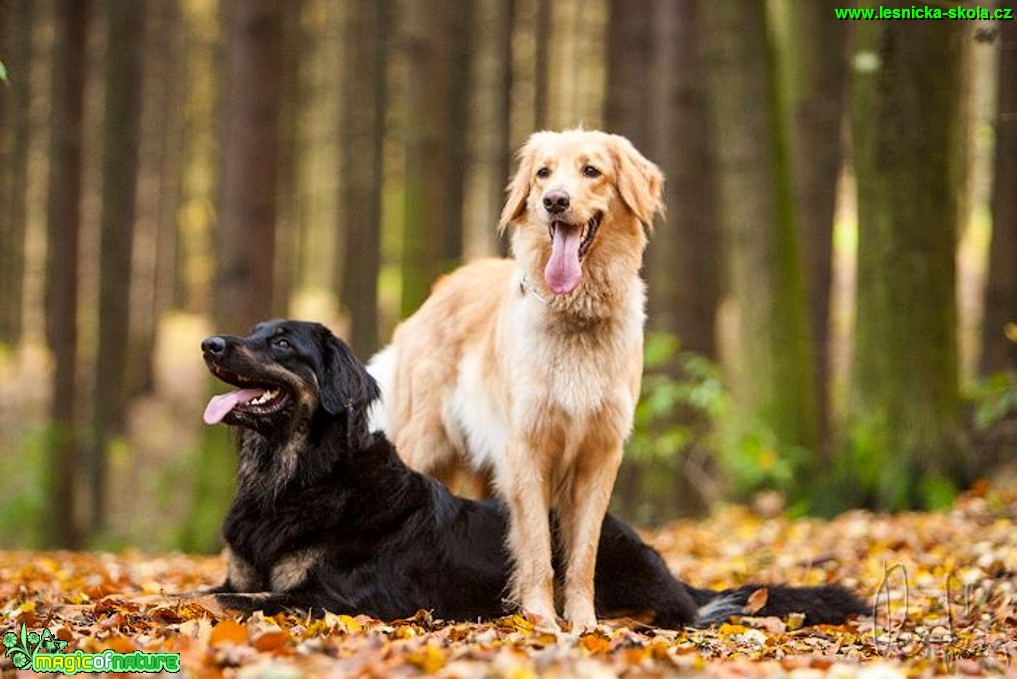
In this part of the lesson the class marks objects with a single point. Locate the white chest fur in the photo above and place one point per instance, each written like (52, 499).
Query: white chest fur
(547, 374)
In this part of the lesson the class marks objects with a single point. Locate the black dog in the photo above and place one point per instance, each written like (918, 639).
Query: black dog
(327, 517)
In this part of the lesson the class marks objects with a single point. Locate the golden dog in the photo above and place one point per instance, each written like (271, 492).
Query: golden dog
(528, 369)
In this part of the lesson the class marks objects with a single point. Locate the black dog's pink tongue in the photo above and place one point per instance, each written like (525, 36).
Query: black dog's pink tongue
(563, 271)
(221, 405)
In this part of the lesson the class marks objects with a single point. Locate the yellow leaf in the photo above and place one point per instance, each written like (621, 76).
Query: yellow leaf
(404, 632)
(349, 623)
(430, 658)
(795, 621)
(521, 673)
(728, 629)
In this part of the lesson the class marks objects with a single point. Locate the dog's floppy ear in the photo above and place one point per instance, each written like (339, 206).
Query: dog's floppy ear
(640, 182)
(344, 383)
(518, 189)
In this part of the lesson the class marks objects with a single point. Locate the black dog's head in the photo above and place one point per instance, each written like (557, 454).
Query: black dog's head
(288, 372)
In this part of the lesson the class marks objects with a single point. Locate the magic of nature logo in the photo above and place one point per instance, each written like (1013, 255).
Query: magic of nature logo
(44, 653)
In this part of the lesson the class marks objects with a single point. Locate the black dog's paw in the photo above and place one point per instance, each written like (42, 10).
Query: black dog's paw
(247, 603)
(269, 604)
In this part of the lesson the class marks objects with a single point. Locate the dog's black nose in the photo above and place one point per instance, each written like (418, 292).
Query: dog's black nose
(556, 201)
(214, 345)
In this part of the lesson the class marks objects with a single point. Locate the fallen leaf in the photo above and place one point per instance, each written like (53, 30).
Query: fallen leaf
(228, 632)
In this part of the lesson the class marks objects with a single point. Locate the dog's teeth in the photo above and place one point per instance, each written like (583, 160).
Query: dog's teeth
(265, 397)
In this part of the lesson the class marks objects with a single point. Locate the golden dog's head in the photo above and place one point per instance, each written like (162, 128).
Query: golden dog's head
(579, 195)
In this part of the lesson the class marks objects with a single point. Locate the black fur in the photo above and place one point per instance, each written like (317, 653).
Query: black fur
(380, 539)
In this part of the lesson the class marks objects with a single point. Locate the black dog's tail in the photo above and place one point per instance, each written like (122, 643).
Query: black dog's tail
(822, 605)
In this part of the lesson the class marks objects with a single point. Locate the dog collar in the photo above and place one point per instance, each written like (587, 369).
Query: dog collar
(525, 286)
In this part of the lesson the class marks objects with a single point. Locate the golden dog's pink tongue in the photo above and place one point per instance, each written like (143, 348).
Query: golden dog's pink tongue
(221, 405)
(563, 272)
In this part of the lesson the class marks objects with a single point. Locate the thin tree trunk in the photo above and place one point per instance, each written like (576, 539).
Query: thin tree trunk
(817, 70)
(158, 190)
(16, 132)
(63, 220)
(629, 41)
(250, 159)
(541, 66)
(503, 123)
(121, 131)
(297, 45)
(200, 156)
(457, 125)
(684, 265)
(490, 121)
(684, 258)
(432, 239)
(363, 131)
(904, 445)
(999, 325)
(772, 373)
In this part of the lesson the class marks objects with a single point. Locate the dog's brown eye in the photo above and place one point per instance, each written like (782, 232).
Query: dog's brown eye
(281, 343)
(544, 172)
(590, 171)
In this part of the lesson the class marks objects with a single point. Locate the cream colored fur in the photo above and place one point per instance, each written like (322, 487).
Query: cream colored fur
(537, 390)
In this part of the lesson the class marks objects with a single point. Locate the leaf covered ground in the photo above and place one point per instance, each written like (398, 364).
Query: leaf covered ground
(943, 587)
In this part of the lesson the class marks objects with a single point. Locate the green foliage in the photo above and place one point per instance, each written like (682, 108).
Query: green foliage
(3, 74)
(993, 398)
(699, 410)
(213, 489)
(23, 501)
(871, 470)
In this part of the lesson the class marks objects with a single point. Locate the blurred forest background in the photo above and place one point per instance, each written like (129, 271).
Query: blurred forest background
(832, 295)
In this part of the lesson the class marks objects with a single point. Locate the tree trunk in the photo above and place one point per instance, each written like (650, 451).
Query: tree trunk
(297, 45)
(363, 130)
(490, 125)
(816, 59)
(250, 157)
(199, 181)
(541, 65)
(63, 225)
(999, 325)
(904, 446)
(158, 189)
(629, 41)
(435, 125)
(684, 258)
(121, 130)
(771, 366)
(15, 104)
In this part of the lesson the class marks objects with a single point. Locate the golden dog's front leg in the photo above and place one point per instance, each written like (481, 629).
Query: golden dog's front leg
(581, 512)
(529, 539)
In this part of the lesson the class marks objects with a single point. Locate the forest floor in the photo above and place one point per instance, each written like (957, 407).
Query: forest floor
(943, 587)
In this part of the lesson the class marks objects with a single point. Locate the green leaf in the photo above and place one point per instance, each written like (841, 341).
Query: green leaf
(3, 74)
